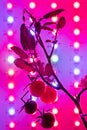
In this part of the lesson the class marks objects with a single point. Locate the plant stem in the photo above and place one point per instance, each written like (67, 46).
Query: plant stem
(75, 100)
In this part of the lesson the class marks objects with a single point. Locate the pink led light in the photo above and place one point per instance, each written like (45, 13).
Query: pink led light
(33, 124)
(32, 73)
(11, 124)
(9, 5)
(32, 59)
(76, 84)
(77, 123)
(10, 32)
(76, 18)
(76, 111)
(76, 31)
(76, 4)
(11, 72)
(53, 5)
(55, 111)
(54, 19)
(54, 32)
(76, 45)
(56, 123)
(11, 85)
(11, 98)
(32, 5)
(9, 45)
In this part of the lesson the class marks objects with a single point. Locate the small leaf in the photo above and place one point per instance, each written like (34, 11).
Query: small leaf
(48, 69)
(19, 52)
(48, 40)
(20, 63)
(55, 41)
(23, 40)
(61, 23)
(53, 13)
(46, 28)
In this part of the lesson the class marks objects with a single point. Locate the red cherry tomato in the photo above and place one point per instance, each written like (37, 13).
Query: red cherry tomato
(37, 88)
(49, 95)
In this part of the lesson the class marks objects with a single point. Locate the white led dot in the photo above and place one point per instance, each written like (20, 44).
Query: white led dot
(76, 111)
(56, 46)
(10, 19)
(9, 45)
(33, 124)
(54, 58)
(11, 59)
(76, 4)
(54, 19)
(32, 5)
(32, 32)
(11, 111)
(76, 71)
(11, 98)
(76, 58)
(55, 111)
(11, 72)
(10, 85)
(55, 84)
(11, 124)
(76, 45)
(10, 32)
(77, 123)
(34, 98)
(76, 84)
(54, 32)
(56, 123)
(9, 5)
(76, 31)
(76, 18)
(53, 5)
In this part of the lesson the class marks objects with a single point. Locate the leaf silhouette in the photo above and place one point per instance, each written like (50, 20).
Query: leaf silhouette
(61, 23)
(55, 41)
(19, 52)
(53, 13)
(49, 23)
(23, 65)
(26, 38)
(48, 40)
(48, 69)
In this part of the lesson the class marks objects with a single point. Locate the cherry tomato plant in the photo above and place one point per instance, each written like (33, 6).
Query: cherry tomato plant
(43, 74)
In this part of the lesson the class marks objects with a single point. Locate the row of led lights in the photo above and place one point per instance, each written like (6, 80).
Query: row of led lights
(76, 58)
(11, 58)
(11, 72)
(76, 44)
(54, 57)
